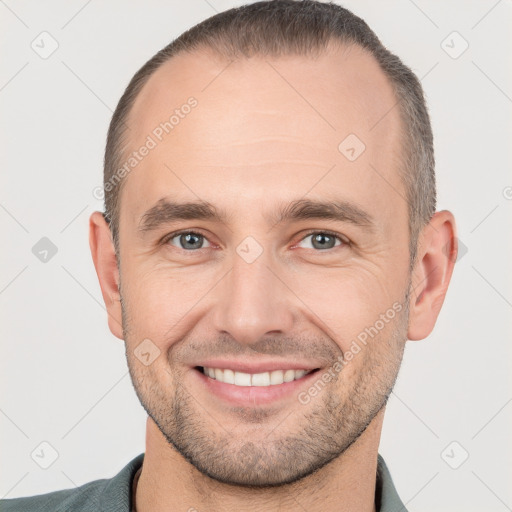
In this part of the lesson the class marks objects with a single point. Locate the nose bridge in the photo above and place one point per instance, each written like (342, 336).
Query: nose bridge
(253, 301)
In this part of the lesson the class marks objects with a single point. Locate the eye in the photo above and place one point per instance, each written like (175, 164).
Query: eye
(324, 240)
(192, 240)
(187, 240)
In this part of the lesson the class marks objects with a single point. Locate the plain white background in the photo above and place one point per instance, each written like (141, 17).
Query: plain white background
(64, 375)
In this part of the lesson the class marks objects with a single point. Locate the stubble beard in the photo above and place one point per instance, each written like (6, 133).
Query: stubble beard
(260, 452)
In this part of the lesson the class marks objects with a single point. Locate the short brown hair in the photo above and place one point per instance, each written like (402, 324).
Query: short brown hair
(287, 27)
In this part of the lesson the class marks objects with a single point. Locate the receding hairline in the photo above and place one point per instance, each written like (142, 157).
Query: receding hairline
(203, 50)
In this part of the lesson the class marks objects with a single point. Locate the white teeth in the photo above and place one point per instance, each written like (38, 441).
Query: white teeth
(229, 376)
(289, 375)
(241, 379)
(261, 379)
(300, 373)
(277, 376)
(255, 379)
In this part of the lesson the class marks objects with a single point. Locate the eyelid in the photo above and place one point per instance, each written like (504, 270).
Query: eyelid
(174, 234)
(339, 236)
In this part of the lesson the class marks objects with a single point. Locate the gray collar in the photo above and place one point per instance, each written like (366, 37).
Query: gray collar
(386, 496)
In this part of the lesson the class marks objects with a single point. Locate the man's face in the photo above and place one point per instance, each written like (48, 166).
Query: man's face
(250, 291)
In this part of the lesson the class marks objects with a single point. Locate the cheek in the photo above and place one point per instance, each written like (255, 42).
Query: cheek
(347, 302)
(162, 303)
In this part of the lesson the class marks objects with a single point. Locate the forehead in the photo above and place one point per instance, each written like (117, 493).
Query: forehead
(267, 126)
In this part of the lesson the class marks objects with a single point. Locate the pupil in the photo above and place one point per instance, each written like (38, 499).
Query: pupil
(318, 238)
(187, 239)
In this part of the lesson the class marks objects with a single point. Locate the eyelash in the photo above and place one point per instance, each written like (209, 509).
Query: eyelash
(343, 240)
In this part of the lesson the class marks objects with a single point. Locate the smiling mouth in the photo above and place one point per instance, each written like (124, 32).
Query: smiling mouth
(264, 379)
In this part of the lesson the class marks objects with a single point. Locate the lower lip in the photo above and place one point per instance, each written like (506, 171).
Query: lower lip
(252, 395)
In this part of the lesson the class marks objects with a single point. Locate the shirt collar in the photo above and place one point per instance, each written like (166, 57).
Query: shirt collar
(117, 494)
(386, 496)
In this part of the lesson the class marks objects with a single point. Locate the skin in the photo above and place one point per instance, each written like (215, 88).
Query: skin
(252, 143)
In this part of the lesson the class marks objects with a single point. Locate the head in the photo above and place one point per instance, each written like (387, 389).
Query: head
(306, 148)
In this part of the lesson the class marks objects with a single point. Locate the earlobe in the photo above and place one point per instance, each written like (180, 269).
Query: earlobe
(436, 256)
(105, 263)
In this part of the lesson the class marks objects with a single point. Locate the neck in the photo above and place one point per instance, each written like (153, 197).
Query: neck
(347, 484)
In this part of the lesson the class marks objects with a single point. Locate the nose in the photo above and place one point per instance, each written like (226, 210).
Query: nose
(254, 301)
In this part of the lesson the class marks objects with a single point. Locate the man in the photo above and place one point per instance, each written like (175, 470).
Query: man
(270, 243)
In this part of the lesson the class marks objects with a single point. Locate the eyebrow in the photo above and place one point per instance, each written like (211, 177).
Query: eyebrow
(166, 211)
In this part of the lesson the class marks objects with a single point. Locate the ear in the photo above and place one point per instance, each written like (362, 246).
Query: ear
(105, 263)
(436, 256)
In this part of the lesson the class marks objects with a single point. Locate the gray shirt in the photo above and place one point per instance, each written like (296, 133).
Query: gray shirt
(115, 494)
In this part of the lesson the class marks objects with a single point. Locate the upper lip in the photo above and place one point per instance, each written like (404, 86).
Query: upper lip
(256, 366)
